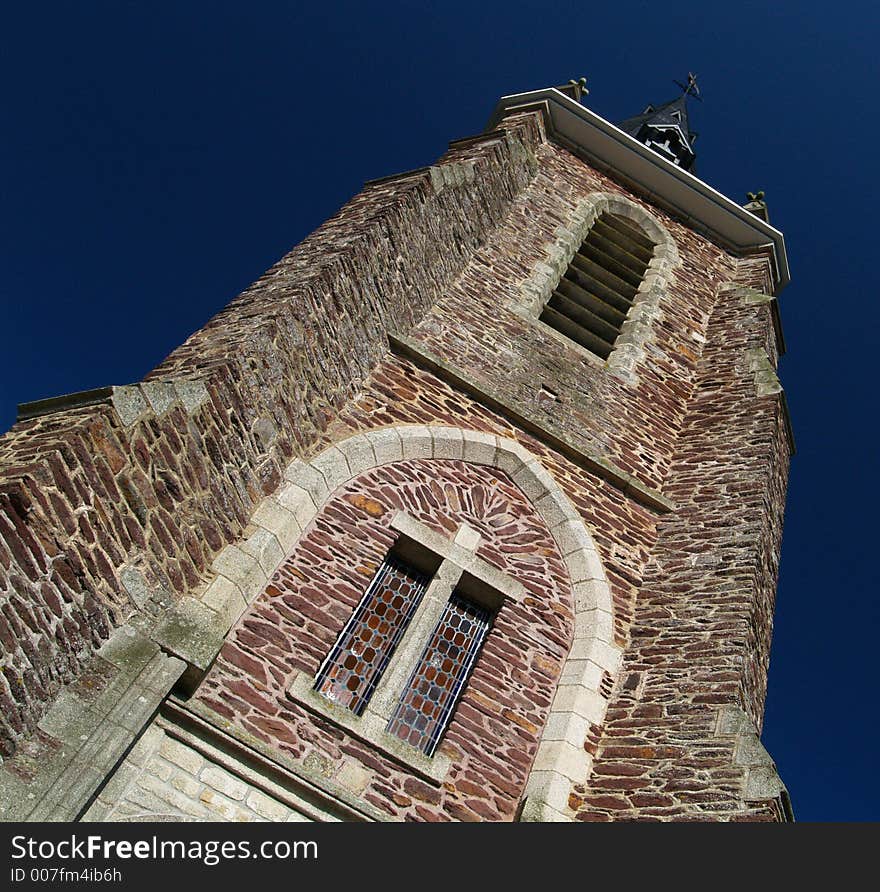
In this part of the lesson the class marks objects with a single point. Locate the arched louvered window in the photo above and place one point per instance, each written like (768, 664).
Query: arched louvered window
(591, 301)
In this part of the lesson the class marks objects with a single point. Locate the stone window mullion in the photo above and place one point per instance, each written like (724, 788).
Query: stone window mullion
(393, 682)
(455, 572)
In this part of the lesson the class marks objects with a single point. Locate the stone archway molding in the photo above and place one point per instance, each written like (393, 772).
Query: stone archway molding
(243, 571)
(629, 350)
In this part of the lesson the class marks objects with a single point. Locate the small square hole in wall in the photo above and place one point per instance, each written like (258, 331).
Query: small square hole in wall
(547, 398)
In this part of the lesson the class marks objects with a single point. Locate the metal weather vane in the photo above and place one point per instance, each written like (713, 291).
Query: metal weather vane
(691, 88)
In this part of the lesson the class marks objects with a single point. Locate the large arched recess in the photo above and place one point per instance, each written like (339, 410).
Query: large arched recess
(561, 759)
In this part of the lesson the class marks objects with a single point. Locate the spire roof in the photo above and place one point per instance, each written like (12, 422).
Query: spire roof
(665, 129)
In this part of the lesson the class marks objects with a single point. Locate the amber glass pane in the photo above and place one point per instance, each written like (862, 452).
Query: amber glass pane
(354, 666)
(439, 678)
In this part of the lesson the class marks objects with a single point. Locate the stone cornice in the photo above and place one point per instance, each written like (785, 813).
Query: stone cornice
(592, 462)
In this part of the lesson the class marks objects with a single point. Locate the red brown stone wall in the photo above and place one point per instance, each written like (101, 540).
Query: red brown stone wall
(83, 495)
(494, 731)
(636, 427)
(399, 392)
(702, 627)
(301, 360)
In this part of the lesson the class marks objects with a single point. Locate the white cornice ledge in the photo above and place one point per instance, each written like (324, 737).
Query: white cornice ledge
(674, 189)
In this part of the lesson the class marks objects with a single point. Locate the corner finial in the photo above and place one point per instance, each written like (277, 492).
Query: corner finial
(757, 205)
(576, 88)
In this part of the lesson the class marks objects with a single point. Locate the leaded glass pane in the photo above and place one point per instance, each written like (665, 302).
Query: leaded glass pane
(437, 681)
(354, 666)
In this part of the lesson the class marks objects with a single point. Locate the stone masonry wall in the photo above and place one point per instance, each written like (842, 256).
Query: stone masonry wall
(110, 513)
(111, 510)
(163, 779)
(635, 426)
(399, 392)
(494, 732)
(701, 634)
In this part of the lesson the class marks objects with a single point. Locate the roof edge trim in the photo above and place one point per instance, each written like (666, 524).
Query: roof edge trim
(606, 146)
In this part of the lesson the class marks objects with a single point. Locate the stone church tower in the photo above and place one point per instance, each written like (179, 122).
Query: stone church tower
(469, 509)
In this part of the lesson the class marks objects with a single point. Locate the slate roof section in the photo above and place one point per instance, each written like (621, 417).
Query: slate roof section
(656, 124)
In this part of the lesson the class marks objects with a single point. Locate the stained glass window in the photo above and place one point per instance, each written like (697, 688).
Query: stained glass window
(438, 679)
(353, 667)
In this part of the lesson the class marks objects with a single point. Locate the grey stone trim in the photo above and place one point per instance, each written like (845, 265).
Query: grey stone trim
(490, 587)
(283, 778)
(192, 632)
(131, 402)
(561, 759)
(149, 598)
(369, 728)
(637, 330)
(87, 733)
(767, 383)
(766, 380)
(753, 296)
(761, 781)
(451, 174)
(485, 393)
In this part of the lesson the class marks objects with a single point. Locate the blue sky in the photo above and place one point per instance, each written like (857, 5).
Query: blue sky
(157, 157)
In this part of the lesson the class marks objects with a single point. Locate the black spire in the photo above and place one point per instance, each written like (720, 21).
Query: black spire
(665, 128)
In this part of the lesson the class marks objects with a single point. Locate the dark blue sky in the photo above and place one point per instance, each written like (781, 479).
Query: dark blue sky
(157, 157)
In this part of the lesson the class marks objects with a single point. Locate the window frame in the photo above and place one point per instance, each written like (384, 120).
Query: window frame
(531, 296)
(454, 568)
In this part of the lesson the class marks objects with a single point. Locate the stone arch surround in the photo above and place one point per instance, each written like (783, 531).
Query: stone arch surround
(581, 697)
(637, 330)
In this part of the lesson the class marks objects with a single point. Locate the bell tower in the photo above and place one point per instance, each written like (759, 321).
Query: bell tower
(468, 509)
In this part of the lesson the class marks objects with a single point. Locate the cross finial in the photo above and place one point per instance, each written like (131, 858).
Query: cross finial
(757, 205)
(691, 87)
(575, 88)
(579, 87)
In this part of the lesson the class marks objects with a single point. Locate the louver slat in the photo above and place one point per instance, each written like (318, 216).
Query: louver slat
(597, 254)
(628, 230)
(598, 272)
(571, 330)
(591, 301)
(583, 317)
(592, 285)
(629, 262)
(624, 242)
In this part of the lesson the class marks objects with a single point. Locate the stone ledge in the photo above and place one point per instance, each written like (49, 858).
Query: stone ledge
(753, 297)
(194, 633)
(592, 462)
(86, 733)
(209, 733)
(130, 401)
(432, 769)
(761, 780)
(36, 408)
(767, 384)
